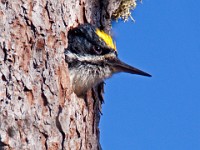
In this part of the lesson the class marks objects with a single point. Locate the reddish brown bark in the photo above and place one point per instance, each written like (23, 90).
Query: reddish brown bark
(38, 110)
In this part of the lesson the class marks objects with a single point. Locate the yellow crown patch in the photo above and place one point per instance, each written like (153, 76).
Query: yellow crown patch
(106, 38)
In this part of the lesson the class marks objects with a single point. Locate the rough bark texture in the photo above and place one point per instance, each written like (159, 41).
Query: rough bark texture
(38, 110)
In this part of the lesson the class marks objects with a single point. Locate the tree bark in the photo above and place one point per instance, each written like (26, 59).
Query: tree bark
(38, 110)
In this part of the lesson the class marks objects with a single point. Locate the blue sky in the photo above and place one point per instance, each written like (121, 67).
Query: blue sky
(162, 112)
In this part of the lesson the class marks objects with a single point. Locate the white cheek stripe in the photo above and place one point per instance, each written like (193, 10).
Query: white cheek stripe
(88, 58)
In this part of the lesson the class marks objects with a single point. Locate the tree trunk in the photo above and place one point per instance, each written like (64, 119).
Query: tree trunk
(38, 110)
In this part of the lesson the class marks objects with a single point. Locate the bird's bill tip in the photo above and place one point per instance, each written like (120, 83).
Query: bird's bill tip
(123, 67)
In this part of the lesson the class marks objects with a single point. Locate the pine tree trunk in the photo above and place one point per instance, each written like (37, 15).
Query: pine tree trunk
(38, 110)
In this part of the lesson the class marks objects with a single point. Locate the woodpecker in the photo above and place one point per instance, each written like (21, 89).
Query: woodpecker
(92, 57)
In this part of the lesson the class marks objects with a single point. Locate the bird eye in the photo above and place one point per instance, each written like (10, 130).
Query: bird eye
(97, 50)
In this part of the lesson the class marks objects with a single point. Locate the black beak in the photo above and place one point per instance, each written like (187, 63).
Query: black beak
(120, 66)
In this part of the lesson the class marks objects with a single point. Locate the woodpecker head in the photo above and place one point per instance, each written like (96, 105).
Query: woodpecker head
(92, 57)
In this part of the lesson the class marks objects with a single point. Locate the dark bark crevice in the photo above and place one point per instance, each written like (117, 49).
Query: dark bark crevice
(59, 127)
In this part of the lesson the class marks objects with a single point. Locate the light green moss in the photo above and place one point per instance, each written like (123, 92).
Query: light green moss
(124, 10)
